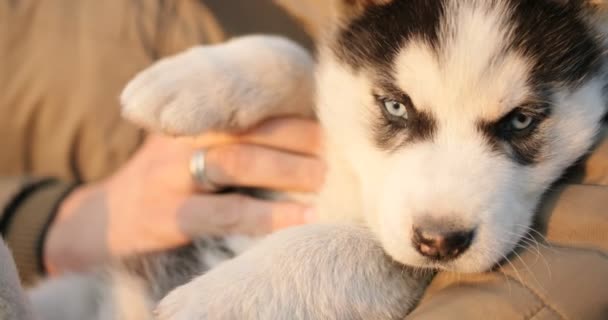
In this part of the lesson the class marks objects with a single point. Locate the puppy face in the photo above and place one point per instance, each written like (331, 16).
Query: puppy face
(457, 115)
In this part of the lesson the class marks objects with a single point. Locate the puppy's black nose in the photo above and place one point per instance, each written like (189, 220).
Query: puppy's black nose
(442, 245)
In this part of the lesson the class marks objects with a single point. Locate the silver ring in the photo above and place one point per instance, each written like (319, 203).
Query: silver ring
(197, 171)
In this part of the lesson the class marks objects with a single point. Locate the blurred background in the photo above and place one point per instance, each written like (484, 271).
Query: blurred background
(258, 16)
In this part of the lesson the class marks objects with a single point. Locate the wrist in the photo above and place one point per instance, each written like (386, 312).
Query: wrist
(68, 207)
(59, 250)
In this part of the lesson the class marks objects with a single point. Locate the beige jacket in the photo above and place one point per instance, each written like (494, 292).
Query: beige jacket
(63, 66)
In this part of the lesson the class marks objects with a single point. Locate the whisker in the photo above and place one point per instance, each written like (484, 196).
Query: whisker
(537, 251)
(529, 270)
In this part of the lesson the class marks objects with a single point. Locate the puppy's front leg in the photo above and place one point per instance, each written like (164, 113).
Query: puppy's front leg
(228, 86)
(309, 272)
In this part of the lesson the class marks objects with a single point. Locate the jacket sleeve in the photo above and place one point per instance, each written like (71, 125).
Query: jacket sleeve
(28, 207)
(562, 276)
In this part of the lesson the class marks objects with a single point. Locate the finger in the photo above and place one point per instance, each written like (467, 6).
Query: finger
(215, 215)
(296, 135)
(254, 166)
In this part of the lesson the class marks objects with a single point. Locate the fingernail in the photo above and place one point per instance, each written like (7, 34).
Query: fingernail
(310, 215)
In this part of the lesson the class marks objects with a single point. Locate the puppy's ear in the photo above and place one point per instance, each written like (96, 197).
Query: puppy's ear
(598, 14)
(598, 3)
(318, 16)
(349, 9)
(360, 4)
(313, 15)
(599, 9)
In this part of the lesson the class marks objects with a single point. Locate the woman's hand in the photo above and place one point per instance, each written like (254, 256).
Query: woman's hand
(152, 203)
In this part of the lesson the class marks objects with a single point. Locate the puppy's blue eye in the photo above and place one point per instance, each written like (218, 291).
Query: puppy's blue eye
(395, 108)
(521, 121)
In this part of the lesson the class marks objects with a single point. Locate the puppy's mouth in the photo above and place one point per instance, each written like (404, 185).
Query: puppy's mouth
(454, 265)
(477, 257)
(443, 266)
(480, 257)
(457, 266)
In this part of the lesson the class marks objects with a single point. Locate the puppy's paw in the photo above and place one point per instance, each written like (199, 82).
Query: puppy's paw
(230, 86)
(312, 272)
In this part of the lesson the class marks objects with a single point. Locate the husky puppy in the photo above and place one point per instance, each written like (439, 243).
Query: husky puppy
(445, 123)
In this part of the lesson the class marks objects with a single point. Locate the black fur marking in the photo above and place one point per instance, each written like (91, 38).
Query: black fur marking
(390, 136)
(605, 96)
(166, 270)
(564, 52)
(554, 36)
(375, 38)
(524, 146)
(561, 45)
(391, 133)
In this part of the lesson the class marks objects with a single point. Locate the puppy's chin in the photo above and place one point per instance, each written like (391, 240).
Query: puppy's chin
(488, 249)
(471, 262)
